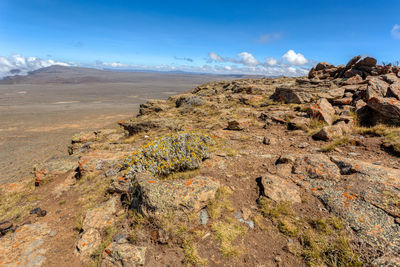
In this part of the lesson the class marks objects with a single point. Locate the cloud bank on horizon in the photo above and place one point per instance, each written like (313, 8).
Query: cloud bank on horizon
(19, 65)
(291, 64)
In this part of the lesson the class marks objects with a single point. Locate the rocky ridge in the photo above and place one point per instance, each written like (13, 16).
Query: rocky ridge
(301, 171)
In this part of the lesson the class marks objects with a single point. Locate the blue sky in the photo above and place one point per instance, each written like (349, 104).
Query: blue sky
(208, 36)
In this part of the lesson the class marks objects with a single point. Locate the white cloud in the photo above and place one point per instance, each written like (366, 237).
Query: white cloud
(17, 64)
(270, 61)
(215, 57)
(244, 58)
(114, 65)
(294, 58)
(248, 59)
(396, 31)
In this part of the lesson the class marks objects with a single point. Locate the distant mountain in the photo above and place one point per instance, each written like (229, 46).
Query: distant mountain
(75, 75)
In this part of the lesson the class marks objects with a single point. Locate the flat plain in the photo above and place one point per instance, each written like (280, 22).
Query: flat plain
(39, 113)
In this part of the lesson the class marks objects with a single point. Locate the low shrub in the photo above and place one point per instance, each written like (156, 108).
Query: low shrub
(170, 153)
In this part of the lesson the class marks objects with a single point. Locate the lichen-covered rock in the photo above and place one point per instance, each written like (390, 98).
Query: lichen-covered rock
(365, 195)
(386, 106)
(329, 132)
(299, 123)
(123, 254)
(95, 221)
(376, 88)
(25, 247)
(158, 198)
(322, 110)
(280, 189)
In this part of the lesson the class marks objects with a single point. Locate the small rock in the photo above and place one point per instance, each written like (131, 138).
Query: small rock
(5, 227)
(353, 154)
(234, 126)
(270, 141)
(246, 213)
(303, 145)
(53, 233)
(204, 217)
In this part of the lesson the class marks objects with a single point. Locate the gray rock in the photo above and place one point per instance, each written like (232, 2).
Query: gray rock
(204, 217)
(123, 254)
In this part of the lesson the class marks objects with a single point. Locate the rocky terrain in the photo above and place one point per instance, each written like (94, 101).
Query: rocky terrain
(250, 172)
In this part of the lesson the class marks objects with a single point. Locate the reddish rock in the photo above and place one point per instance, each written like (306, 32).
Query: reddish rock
(329, 132)
(366, 62)
(394, 90)
(323, 66)
(354, 80)
(352, 62)
(376, 88)
(322, 110)
(388, 106)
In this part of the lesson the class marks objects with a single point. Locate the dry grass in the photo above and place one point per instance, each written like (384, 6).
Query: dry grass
(227, 232)
(322, 241)
(390, 134)
(315, 126)
(335, 143)
(16, 205)
(221, 203)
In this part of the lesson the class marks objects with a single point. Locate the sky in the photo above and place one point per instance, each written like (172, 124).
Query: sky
(252, 37)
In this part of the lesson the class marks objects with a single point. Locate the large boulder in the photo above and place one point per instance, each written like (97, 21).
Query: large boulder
(376, 87)
(394, 90)
(386, 106)
(26, 246)
(305, 91)
(322, 110)
(157, 198)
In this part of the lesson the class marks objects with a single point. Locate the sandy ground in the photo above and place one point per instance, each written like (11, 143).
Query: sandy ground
(38, 120)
